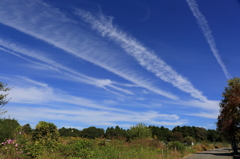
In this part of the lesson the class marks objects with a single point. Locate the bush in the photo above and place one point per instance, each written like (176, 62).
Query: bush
(92, 132)
(26, 129)
(189, 140)
(7, 128)
(45, 131)
(176, 145)
(79, 148)
(15, 148)
(140, 131)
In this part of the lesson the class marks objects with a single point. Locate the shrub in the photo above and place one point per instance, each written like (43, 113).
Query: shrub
(205, 146)
(27, 129)
(7, 128)
(92, 132)
(189, 140)
(140, 131)
(79, 148)
(15, 148)
(176, 145)
(45, 131)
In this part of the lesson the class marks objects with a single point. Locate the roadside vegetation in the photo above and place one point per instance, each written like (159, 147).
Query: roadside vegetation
(138, 142)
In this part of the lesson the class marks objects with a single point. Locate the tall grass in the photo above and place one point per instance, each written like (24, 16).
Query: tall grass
(75, 148)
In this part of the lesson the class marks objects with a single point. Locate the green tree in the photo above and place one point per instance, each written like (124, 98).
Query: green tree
(26, 129)
(7, 128)
(3, 97)
(189, 140)
(163, 134)
(229, 119)
(212, 135)
(69, 132)
(45, 131)
(139, 131)
(115, 133)
(156, 131)
(177, 129)
(92, 132)
(201, 134)
(177, 136)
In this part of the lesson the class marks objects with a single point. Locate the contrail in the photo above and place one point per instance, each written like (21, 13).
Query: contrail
(53, 27)
(145, 57)
(203, 24)
(50, 64)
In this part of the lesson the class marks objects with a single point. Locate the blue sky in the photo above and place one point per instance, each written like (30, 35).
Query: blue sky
(106, 63)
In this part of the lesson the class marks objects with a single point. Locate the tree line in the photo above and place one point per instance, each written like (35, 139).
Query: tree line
(178, 133)
(228, 124)
(184, 134)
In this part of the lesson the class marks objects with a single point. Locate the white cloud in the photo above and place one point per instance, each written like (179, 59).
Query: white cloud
(92, 117)
(31, 92)
(143, 55)
(206, 105)
(52, 65)
(30, 95)
(145, 92)
(203, 24)
(32, 81)
(38, 99)
(140, 99)
(110, 102)
(54, 28)
(212, 115)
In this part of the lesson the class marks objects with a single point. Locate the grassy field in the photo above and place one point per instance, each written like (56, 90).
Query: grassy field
(75, 148)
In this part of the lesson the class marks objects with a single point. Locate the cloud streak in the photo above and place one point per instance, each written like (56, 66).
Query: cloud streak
(90, 117)
(145, 57)
(203, 24)
(50, 64)
(52, 27)
(78, 109)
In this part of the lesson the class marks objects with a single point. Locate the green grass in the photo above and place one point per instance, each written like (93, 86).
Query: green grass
(76, 148)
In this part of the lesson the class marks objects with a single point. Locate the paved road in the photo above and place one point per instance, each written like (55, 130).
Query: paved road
(223, 153)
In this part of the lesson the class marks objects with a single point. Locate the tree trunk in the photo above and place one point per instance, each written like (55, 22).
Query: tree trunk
(234, 145)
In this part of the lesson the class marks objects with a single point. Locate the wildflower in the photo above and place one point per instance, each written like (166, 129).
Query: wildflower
(16, 144)
(16, 148)
(9, 141)
(20, 132)
(5, 147)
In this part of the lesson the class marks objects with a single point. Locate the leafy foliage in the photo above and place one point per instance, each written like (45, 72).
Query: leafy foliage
(7, 128)
(176, 145)
(69, 132)
(26, 129)
(139, 131)
(45, 131)
(189, 140)
(163, 134)
(79, 148)
(177, 136)
(3, 100)
(115, 133)
(92, 132)
(229, 119)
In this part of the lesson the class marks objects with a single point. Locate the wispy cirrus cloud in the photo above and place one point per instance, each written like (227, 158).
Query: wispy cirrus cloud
(78, 109)
(93, 117)
(212, 115)
(50, 64)
(145, 57)
(35, 92)
(52, 27)
(203, 24)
